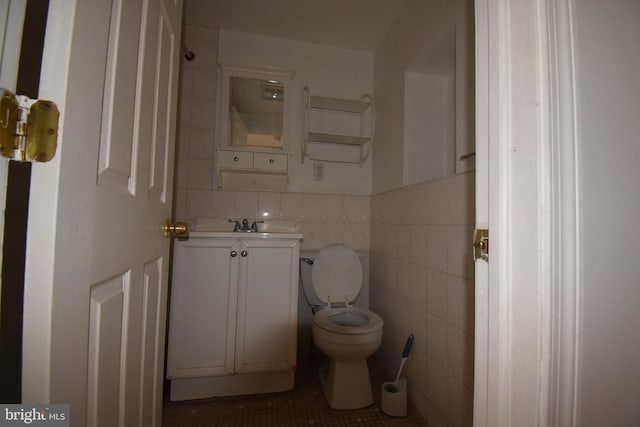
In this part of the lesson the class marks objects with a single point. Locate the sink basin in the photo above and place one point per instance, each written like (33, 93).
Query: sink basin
(277, 226)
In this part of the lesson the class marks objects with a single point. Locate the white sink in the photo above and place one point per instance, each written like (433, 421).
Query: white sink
(277, 226)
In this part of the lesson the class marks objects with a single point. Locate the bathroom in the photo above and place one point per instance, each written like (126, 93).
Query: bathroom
(409, 206)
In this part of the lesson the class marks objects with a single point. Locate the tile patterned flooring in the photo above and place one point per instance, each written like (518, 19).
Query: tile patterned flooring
(303, 406)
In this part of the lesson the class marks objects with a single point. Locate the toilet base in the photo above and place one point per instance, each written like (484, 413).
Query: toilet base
(346, 385)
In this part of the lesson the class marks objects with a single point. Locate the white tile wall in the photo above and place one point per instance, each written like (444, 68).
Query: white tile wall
(437, 293)
(195, 153)
(291, 206)
(321, 218)
(247, 204)
(312, 208)
(269, 205)
(223, 205)
(422, 283)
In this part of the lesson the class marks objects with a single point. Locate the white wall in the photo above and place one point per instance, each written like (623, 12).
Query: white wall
(423, 38)
(465, 76)
(608, 69)
(428, 127)
(328, 71)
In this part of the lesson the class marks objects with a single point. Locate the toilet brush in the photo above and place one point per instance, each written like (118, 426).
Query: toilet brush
(405, 355)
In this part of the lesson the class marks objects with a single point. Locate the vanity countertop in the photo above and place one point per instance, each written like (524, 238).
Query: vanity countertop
(243, 235)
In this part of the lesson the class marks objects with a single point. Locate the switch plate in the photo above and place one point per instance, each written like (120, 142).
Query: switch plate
(318, 171)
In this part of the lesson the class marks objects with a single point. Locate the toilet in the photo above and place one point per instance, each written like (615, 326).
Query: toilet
(346, 334)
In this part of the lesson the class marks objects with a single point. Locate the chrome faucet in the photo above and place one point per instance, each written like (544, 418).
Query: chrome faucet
(245, 225)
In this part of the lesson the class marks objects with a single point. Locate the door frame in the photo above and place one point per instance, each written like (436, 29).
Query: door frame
(42, 226)
(528, 295)
(10, 41)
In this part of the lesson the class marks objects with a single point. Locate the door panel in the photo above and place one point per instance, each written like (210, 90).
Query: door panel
(160, 142)
(106, 350)
(97, 257)
(117, 141)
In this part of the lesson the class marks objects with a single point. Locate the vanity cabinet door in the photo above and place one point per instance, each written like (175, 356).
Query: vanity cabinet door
(267, 306)
(203, 308)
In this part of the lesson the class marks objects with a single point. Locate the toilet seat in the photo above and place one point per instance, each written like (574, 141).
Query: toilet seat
(348, 320)
(336, 275)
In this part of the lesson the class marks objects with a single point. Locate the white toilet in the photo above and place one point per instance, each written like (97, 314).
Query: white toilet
(348, 335)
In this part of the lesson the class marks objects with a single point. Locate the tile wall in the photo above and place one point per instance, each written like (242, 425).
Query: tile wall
(321, 218)
(196, 121)
(422, 283)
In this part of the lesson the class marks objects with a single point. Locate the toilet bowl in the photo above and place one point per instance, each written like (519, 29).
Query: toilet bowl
(345, 381)
(347, 335)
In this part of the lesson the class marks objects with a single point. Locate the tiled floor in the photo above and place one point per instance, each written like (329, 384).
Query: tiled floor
(304, 405)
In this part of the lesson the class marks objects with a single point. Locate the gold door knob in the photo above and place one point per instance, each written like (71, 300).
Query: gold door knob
(174, 229)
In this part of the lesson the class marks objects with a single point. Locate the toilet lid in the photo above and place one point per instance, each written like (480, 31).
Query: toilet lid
(336, 275)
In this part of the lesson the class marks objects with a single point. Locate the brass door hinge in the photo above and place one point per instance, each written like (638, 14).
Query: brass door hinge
(28, 128)
(481, 245)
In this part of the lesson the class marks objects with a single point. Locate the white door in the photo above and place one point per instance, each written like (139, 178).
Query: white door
(97, 260)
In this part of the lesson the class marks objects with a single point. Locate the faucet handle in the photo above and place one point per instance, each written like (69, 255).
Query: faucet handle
(236, 227)
(254, 226)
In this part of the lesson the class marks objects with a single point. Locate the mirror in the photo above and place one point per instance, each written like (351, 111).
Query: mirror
(255, 112)
(253, 108)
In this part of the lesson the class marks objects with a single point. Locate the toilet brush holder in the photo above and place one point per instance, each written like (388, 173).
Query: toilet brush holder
(394, 398)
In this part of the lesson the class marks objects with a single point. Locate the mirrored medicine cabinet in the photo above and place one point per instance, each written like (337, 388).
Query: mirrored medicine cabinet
(253, 108)
(253, 128)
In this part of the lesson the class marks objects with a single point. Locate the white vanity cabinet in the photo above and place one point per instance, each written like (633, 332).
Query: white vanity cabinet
(233, 314)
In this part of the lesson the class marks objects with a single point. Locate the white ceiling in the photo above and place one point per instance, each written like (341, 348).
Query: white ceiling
(354, 24)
